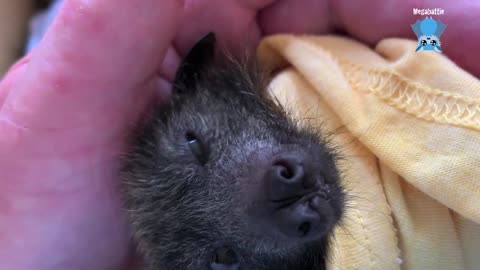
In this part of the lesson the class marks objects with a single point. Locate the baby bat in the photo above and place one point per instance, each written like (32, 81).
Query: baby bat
(222, 178)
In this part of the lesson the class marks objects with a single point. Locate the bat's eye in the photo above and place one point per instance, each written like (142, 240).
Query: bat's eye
(433, 42)
(424, 42)
(225, 259)
(197, 147)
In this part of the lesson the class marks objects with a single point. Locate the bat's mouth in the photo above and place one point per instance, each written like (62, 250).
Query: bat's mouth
(307, 216)
(323, 193)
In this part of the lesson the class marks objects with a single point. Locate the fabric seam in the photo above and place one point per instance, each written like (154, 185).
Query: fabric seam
(412, 97)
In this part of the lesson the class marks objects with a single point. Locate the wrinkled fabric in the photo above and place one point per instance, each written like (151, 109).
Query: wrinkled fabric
(407, 126)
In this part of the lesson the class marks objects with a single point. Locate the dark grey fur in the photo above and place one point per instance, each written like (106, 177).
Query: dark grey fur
(182, 210)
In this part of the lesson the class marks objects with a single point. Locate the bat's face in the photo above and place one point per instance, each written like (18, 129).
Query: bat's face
(222, 179)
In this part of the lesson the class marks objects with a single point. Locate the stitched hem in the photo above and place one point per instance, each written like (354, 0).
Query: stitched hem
(414, 98)
(409, 96)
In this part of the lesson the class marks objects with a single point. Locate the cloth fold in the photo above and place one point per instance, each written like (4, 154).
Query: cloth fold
(408, 126)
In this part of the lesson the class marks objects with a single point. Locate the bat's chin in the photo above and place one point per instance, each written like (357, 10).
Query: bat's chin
(315, 213)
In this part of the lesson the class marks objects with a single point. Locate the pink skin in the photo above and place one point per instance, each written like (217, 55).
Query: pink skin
(66, 107)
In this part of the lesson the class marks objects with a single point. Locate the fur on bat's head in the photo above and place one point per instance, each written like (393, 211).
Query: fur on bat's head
(223, 179)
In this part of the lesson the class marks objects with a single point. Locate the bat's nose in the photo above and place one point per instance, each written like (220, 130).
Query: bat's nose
(299, 196)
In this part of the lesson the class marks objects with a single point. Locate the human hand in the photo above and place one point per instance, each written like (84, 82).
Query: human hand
(241, 24)
(65, 108)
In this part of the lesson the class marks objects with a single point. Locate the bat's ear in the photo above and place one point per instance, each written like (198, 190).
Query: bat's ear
(197, 59)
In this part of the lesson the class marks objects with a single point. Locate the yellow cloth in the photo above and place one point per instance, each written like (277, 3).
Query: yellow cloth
(408, 125)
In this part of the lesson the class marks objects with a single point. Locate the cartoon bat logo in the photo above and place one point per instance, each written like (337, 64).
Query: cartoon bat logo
(428, 32)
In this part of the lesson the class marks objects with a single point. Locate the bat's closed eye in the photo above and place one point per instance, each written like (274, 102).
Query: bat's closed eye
(197, 147)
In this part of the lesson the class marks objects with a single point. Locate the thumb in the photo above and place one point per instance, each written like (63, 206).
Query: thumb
(93, 61)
